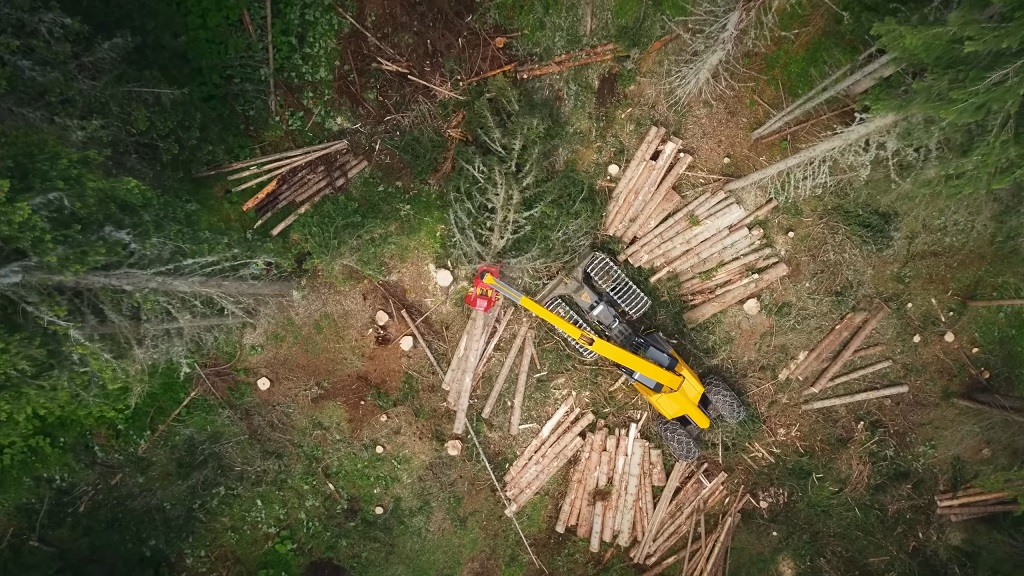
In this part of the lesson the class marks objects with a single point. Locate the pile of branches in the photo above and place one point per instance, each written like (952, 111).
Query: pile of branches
(298, 179)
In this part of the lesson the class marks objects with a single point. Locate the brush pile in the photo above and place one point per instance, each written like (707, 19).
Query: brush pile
(556, 443)
(296, 180)
(706, 243)
(843, 344)
(977, 502)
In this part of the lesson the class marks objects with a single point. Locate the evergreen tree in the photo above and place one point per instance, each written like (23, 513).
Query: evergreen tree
(967, 86)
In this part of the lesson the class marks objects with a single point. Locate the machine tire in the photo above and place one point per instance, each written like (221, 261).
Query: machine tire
(724, 401)
(676, 438)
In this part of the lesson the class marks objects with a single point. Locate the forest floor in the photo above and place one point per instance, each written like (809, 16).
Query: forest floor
(850, 489)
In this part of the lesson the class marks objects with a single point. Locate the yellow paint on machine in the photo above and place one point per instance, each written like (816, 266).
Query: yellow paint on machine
(683, 389)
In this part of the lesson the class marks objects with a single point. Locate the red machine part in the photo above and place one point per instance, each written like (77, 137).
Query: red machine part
(482, 296)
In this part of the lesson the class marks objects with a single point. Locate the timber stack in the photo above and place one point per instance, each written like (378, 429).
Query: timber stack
(969, 503)
(707, 242)
(295, 180)
(475, 348)
(556, 443)
(843, 344)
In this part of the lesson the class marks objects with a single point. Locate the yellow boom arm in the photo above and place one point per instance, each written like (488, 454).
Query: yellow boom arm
(682, 393)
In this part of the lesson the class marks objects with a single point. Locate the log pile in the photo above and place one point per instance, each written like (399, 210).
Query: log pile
(977, 502)
(843, 344)
(470, 358)
(556, 443)
(709, 243)
(295, 180)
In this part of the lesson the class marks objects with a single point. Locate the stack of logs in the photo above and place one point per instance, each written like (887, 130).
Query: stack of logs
(469, 362)
(297, 179)
(822, 364)
(705, 552)
(556, 443)
(971, 503)
(706, 243)
(611, 489)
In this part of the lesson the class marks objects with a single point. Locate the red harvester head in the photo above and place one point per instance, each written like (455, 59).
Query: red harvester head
(483, 296)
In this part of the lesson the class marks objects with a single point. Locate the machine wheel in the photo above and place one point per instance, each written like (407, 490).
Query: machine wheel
(678, 440)
(723, 400)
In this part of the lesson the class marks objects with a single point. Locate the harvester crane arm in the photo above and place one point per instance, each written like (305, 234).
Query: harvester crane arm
(588, 340)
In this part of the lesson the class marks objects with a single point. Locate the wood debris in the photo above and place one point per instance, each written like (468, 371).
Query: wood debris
(296, 179)
(569, 60)
(708, 243)
(971, 503)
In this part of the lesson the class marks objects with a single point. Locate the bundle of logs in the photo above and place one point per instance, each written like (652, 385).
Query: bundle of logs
(295, 180)
(556, 443)
(707, 243)
(821, 365)
(977, 502)
(470, 360)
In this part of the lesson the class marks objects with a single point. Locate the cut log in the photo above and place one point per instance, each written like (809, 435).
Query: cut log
(869, 395)
(670, 203)
(545, 448)
(645, 188)
(698, 257)
(717, 222)
(510, 359)
(644, 174)
(728, 270)
(252, 202)
(531, 489)
(764, 209)
(658, 467)
(486, 356)
(860, 372)
(423, 343)
(661, 232)
(676, 476)
(267, 158)
(822, 382)
(654, 205)
(868, 351)
(973, 499)
(643, 153)
(609, 525)
(989, 509)
(463, 382)
(629, 501)
(570, 493)
(1003, 302)
(534, 468)
(599, 502)
(545, 432)
(581, 487)
(520, 393)
(702, 312)
(1002, 401)
(837, 335)
(583, 529)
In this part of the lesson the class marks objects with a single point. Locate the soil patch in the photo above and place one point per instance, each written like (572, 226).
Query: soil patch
(327, 348)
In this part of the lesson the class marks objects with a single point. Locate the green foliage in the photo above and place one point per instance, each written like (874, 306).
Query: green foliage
(512, 199)
(373, 223)
(872, 225)
(966, 87)
(552, 27)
